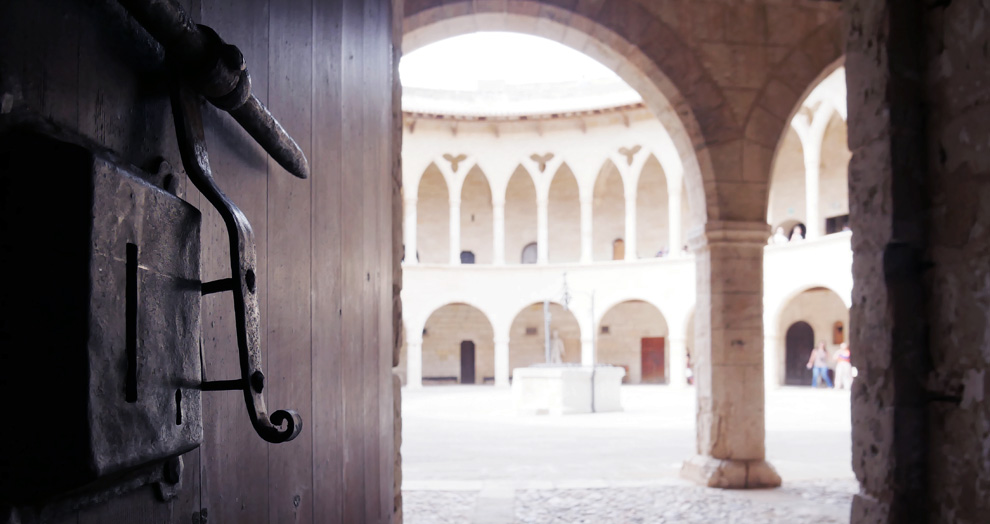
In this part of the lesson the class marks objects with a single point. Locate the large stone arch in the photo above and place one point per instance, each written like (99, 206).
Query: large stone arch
(645, 52)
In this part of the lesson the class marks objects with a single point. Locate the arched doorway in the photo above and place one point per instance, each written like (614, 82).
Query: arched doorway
(432, 218)
(458, 347)
(527, 336)
(808, 318)
(633, 335)
(799, 340)
(476, 218)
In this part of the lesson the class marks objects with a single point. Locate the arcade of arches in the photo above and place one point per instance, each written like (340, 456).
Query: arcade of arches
(504, 212)
(745, 146)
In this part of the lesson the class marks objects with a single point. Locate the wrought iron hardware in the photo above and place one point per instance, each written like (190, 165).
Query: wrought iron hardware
(243, 261)
(101, 319)
(216, 70)
(203, 62)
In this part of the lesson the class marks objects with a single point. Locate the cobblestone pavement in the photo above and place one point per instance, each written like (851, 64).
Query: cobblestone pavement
(818, 502)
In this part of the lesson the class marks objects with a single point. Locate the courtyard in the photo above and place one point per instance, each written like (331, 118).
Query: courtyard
(467, 457)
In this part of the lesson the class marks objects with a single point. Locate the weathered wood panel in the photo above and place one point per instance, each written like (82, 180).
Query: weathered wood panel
(324, 244)
(327, 373)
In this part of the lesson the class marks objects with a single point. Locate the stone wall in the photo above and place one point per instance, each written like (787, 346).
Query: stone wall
(651, 210)
(958, 72)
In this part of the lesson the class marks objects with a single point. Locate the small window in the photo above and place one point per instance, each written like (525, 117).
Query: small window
(467, 257)
(605, 330)
(425, 332)
(618, 249)
(838, 333)
(530, 331)
(529, 253)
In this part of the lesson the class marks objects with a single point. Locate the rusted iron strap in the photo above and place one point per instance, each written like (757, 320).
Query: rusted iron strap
(217, 71)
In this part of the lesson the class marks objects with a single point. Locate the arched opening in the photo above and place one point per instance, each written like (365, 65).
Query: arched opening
(817, 312)
(564, 217)
(809, 182)
(529, 254)
(527, 335)
(433, 218)
(635, 339)
(476, 217)
(609, 213)
(458, 347)
(652, 205)
(520, 211)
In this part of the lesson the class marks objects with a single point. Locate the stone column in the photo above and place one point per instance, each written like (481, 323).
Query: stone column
(501, 361)
(587, 351)
(498, 232)
(772, 348)
(674, 240)
(678, 362)
(631, 227)
(409, 231)
(812, 176)
(586, 211)
(455, 232)
(728, 369)
(542, 232)
(414, 362)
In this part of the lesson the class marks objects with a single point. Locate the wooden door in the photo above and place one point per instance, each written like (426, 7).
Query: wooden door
(652, 355)
(799, 341)
(467, 362)
(324, 245)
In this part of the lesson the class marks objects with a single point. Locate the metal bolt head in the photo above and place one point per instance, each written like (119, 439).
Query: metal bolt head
(258, 381)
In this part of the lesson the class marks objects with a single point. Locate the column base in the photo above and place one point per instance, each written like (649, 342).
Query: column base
(730, 474)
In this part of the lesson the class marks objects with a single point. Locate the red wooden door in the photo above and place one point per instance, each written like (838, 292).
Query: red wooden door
(652, 360)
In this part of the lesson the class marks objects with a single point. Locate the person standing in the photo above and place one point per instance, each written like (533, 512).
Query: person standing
(843, 368)
(818, 364)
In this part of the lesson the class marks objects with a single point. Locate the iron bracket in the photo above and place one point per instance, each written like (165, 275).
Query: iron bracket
(243, 281)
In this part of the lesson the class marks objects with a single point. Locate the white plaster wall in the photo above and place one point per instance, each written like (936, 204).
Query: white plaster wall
(520, 215)
(432, 218)
(609, 212)
(476, 216)
(652, 219)
(564, 211)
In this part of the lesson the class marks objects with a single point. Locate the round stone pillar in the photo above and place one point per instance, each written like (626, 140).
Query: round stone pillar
(728, 367)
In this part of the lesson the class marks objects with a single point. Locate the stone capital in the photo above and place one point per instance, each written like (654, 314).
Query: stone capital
(728, 233)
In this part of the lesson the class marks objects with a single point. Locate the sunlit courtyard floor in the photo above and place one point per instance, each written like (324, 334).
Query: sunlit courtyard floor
(467, 457)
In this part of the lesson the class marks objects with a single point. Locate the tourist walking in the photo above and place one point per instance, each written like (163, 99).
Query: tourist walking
(818, 364)
(843, 368)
